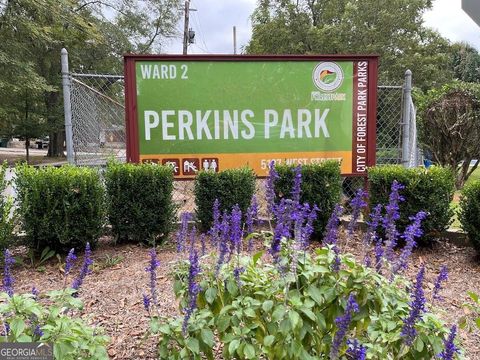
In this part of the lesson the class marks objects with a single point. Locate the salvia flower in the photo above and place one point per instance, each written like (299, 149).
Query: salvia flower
(215, 229)
(297, 184)
(450, 349)
(442, 276)
(378, 255)
(35, 293)
(331, 237)
(70, 261)
(202, 243)
(355, 350)
(193, 288)
(342, 323)
(85, 270)
(146, 302)
(270, 186)
(252, 215)
(412, 231)
(237, 271)
(223, 244)
(371, 233)
(182, 234)
(357, 204)
(236, 230)
(152, 270)
(37, 331)
(417, 308)
(392, 214)
(282, 228)
(7, 273)
(307, 230)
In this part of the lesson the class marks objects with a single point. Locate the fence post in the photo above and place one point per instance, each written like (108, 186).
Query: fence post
(407, 95)
(67, 106)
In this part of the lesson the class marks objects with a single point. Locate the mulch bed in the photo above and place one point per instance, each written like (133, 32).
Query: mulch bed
(113, 294)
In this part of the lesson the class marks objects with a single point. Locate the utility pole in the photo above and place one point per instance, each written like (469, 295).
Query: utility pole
(235, 40)
(185, 28)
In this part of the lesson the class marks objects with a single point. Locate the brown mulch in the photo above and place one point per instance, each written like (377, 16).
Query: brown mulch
(113, 294)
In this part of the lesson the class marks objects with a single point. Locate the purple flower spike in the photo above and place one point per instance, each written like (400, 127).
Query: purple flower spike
(146, 302)
(378, 255)
(35, 293)
(37, 331)
(152, 270)
(358, 203)
(342, 323)
(85, 270)
(223, 248)
(270, 186)
(214, 232)
(182, 234)
(391, 216)
(236, 230)
(252, 215)
(193, 288)
(450, 349)
(355, 350)
(417, 308)
(297, 183)
(371, 233)
(412, 231)
(70, 261)
(7, 273)
(442, 276)
(331, 236)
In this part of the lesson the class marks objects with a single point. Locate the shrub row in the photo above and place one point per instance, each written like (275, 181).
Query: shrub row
(470, 212)
(321, 185)
(66, 207)
(428, 190)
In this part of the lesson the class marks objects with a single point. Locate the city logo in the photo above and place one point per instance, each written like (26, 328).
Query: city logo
(327, 76)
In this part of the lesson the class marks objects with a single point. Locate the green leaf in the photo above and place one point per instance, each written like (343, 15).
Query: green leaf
(294, 318)
(207, 337)
(315, 294)
(267, 305)
(193, 345)
(257, 257)
(17, 326)
(249, 351)
(233, 346)
(268, 340)
(210, 295)
(278, 313)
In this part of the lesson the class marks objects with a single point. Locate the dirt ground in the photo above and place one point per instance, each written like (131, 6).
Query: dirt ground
(113, 293)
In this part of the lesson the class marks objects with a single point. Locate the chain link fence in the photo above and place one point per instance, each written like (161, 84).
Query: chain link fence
(98, 126)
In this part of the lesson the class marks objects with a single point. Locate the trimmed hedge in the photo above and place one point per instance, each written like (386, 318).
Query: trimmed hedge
(321, 185)
(428, 190)
(61, 208)
(470, 212)
(139, 201)
(230, 187)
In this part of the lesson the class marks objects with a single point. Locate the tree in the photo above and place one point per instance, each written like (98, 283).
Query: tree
(465, 62)
(96, 33)
(449, 126)
(392, 29)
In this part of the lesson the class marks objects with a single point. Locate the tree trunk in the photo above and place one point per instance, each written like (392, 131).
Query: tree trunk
(27, 149)
(56, 144)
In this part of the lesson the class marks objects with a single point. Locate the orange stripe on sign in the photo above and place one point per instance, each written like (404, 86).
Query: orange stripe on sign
(187, 165)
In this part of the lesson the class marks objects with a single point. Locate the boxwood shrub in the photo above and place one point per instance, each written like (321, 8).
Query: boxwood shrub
(139, 201)
(470, 212)
(321, 185)
(430, 190)
(60, 207)
(230, 187)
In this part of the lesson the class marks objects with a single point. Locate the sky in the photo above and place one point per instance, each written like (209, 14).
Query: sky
(214, 20)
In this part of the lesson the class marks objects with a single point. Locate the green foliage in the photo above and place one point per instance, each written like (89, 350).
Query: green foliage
(321, 185)
(60, 208)
(7, 212)
(449, 126)
(71, 337)
(425, 190)
(140, 204)
(470, 212)
(349, 27)
(273, 314)
(474, 307)
(230, 187)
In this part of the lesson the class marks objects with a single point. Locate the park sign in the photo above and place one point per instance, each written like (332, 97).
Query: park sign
(217, 112)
